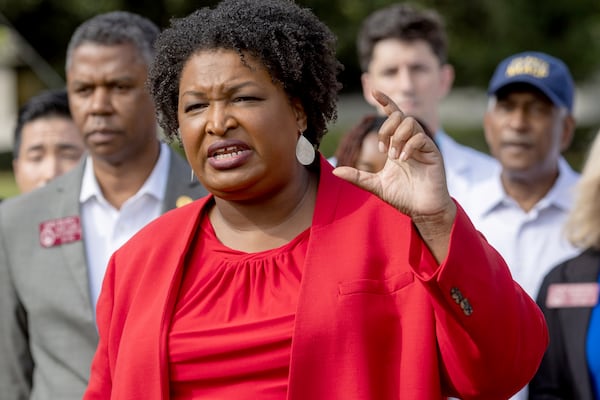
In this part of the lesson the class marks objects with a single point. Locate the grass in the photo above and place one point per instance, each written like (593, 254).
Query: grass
(8, 187)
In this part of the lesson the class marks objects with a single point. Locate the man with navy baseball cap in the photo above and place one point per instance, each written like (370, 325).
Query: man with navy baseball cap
(546, 73)
(528, 124)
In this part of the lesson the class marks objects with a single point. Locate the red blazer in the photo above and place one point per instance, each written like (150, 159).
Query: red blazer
(377, 317)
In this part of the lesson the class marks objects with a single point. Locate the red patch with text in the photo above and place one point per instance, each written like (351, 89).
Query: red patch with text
(563, 295)
(60, 231)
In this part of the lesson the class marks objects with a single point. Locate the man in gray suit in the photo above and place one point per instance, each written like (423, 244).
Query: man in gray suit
(55, 241)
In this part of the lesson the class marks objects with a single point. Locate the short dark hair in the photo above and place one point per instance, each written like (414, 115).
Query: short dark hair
(115, 28)
(295, 47)
(49, 103)
(405, 22)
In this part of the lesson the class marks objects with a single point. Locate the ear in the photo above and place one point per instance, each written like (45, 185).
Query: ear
(367, 89)
(447, 79)
(568, 132)
(301, 119)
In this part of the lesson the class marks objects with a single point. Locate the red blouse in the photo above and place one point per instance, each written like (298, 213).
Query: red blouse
(231, 332)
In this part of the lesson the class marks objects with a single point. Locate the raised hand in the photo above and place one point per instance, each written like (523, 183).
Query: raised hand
(413, 178)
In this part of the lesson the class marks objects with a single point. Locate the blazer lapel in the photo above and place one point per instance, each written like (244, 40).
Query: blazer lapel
(179, 187)
(74, 253)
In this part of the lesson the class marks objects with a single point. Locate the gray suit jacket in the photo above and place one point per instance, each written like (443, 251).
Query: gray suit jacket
(47, 331)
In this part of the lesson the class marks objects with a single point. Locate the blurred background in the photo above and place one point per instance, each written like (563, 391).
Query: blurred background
(34, 36)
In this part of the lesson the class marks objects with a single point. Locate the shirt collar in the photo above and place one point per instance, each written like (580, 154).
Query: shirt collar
(454, 160)
(562, 193)
(491, 193)
(439, 138)
(154, 186)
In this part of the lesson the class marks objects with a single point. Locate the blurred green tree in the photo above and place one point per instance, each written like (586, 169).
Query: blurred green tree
(481, 31)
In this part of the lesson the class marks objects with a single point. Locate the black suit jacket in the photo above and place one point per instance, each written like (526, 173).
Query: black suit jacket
(563, 373)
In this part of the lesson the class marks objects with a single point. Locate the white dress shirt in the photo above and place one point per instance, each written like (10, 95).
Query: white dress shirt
(531, 242)
(464, 166)
(105, 228)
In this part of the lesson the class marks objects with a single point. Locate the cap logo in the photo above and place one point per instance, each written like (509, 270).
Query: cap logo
(529, 65)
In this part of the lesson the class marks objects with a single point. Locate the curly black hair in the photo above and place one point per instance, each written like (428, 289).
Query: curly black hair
(295, 47)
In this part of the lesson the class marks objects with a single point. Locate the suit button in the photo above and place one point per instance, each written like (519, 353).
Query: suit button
(456, 295)
(466, 307)
(459, 299)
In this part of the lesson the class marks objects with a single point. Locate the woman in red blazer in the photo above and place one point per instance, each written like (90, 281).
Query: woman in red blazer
(293, 280)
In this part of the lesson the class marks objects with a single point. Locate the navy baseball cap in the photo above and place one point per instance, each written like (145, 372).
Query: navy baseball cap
(546, 73)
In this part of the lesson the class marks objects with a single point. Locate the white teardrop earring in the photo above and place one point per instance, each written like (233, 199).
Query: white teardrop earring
(305, 152)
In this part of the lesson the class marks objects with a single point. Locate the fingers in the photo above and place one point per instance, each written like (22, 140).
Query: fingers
(399, 136)
(388, 104)
(407, 139)
(395, 117)
(349, 174)
(363, 179)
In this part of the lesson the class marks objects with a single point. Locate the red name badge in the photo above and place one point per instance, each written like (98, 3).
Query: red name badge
(60, 231)
(563, 295)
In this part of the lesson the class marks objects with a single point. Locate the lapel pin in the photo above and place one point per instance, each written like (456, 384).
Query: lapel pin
(60, 231)
(183, 200)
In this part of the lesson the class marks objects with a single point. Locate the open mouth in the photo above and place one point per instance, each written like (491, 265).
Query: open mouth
(227, 152)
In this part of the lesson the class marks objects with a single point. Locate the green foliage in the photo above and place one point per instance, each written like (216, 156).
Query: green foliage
(8, 187)
(481, 32)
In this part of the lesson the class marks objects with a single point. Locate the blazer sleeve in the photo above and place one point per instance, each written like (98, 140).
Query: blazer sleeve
(487, 327)
(16, 363)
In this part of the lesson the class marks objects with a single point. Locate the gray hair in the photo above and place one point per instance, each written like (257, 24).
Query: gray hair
(115, 28)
